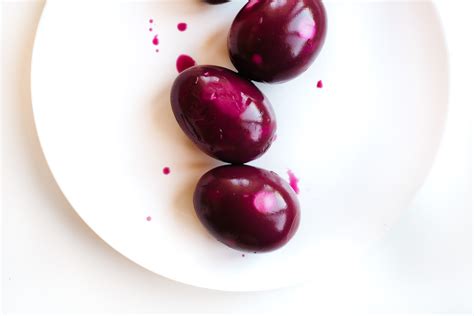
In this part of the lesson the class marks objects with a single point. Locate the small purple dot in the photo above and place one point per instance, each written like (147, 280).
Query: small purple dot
(182, 26)
(148, 218)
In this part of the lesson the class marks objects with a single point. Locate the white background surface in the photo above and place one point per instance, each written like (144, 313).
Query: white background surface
(52, 262)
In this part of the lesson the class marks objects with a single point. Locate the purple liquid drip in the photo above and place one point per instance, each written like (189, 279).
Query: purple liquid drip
(182, 26)
(184, 62)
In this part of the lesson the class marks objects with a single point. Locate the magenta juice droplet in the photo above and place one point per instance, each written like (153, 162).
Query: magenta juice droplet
(293, 180)
(182, 26)
(150, 29)
(155, 40)
(319, 84)
(166, 170)
(151, 21)
(184, 62)
(148, 218)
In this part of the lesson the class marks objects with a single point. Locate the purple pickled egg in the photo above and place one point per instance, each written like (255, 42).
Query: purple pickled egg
(247, 208)
(276, 40)
(225, 115)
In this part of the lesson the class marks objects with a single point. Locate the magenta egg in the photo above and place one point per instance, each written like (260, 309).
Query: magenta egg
(225, 115)
(247, 208)
(276, 40)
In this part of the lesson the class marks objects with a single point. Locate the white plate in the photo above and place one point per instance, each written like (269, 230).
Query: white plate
(361, 146)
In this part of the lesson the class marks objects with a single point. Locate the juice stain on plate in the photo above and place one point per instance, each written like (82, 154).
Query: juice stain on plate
(156, 41)
(148, 218)
(166, 170)
(184, 62)
(319, 84)
(182, 26)
(293, 180)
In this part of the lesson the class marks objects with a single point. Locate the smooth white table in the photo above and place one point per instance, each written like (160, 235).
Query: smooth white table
(52, 262)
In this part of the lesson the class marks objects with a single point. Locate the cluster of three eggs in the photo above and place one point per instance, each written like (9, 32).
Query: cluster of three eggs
(230, 119)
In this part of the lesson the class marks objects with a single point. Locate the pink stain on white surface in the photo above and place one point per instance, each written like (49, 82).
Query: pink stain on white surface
(151, 21)
(155, 40)
(319, 85)
(166, 170)
(148, 218)
(182, 26)
(257, 59)
(293, 180)
(184, 62)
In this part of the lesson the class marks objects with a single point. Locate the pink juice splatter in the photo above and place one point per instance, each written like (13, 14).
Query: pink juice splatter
(166, 170)
(182, 26)
(148, 218)
(319, 84)
(155, 40)
(293, 180)
(151, 21)
(184, 62)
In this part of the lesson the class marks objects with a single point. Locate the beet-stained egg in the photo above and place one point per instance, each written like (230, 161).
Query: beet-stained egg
(247, 208)
(225, 115)
(276, 40)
